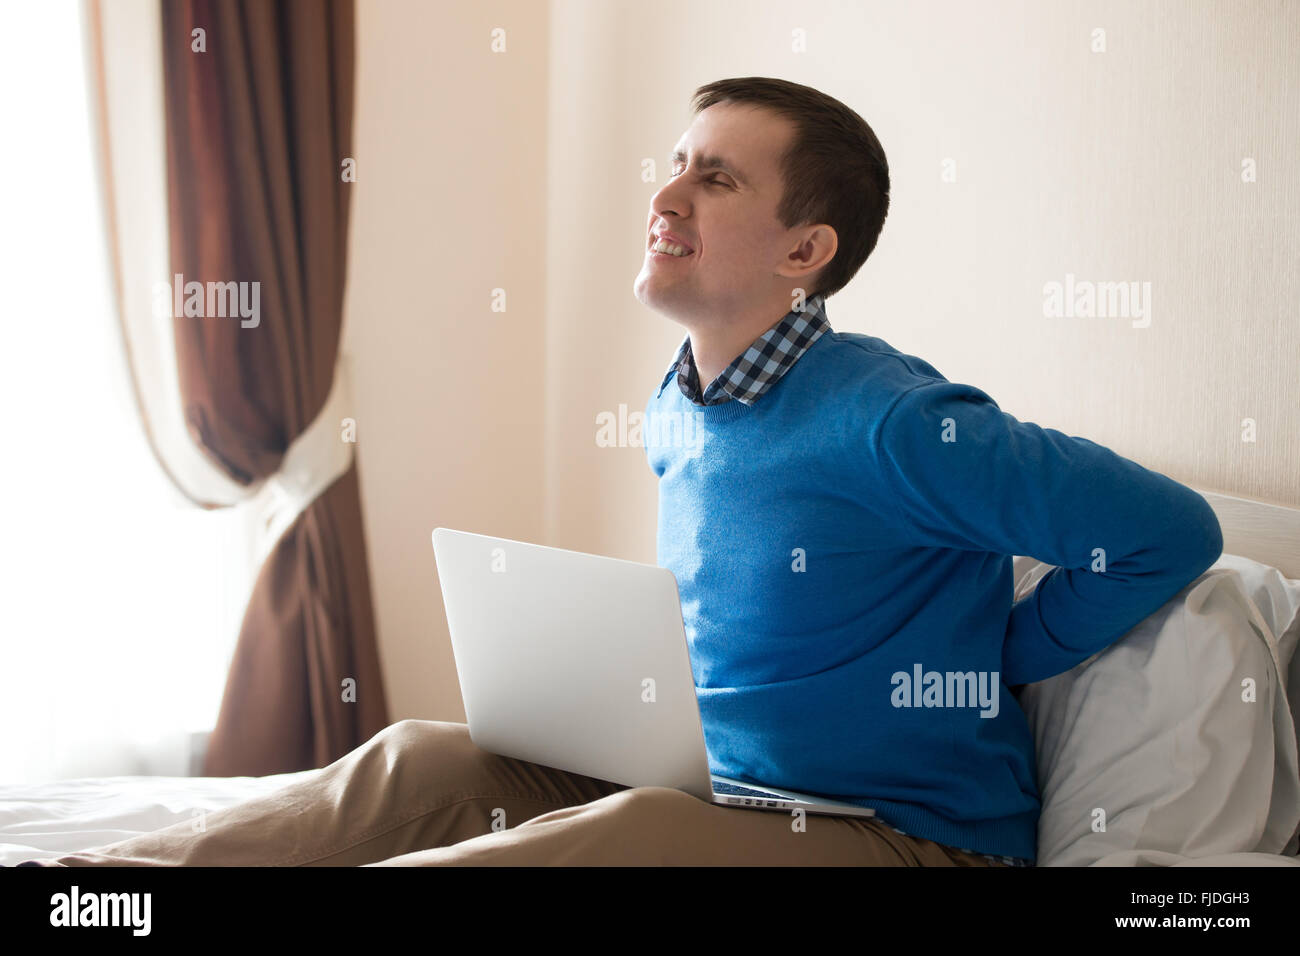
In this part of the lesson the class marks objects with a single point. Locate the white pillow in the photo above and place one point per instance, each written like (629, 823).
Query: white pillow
(1153, 732)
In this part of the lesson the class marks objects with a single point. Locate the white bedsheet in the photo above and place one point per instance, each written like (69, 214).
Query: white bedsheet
(50, 819)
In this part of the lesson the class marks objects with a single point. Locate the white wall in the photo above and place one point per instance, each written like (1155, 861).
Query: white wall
(1115, 166)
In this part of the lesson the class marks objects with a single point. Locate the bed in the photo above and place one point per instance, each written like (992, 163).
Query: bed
(1215, 805)
(51, 819)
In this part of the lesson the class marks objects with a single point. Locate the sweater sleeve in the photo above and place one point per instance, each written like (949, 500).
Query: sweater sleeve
(964, 474)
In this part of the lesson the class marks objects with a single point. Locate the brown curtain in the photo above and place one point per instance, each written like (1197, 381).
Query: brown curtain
(258, 124)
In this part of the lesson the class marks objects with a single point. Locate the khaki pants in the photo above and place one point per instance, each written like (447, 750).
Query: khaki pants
(421, 793)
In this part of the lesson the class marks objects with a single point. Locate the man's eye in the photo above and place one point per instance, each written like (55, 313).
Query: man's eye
(715, 181)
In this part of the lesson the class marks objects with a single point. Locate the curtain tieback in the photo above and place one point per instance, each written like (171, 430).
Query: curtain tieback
(314, 460)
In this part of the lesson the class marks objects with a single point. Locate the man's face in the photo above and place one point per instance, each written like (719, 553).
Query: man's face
(726, 215)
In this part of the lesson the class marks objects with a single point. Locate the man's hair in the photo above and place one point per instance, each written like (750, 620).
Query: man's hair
(834, 170)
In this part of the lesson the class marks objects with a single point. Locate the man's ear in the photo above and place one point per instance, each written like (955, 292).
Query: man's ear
(817, 247)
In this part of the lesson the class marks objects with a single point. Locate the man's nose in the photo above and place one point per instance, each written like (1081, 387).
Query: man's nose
(670, 198)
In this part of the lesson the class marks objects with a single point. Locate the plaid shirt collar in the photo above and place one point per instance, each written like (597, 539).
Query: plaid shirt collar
(761, 366)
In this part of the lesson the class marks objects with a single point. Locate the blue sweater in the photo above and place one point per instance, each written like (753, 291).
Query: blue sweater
(842, 552)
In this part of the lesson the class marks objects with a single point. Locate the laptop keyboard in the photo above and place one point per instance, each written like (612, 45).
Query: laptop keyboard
(743, 791)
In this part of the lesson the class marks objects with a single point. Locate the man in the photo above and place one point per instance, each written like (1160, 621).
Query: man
(840, 528)
(842, 518)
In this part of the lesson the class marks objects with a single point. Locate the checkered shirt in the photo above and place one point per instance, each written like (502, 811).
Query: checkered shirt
(761, 366)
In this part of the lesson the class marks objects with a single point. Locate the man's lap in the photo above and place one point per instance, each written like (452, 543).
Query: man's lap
(420, 793)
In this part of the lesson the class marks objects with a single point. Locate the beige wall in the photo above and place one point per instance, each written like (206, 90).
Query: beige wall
(450, 198)
(1115, 166)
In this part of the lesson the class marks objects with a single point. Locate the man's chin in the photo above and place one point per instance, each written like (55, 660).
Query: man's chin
(653, 293)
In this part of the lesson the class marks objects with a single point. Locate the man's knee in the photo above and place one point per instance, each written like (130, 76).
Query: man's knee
(423, 739)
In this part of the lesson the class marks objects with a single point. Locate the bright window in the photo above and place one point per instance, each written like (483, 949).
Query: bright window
(121, 601)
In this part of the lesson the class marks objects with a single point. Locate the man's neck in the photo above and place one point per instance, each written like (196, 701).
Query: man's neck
(714, 348)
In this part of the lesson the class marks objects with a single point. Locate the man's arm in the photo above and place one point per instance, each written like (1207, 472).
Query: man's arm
(967, 475)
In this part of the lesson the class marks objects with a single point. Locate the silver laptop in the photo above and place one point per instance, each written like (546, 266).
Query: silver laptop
(580, 662)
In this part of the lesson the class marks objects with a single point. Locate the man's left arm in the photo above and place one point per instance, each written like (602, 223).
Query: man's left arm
(1124, 539)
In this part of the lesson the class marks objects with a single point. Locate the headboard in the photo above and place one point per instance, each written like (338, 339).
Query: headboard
(1263, 532)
